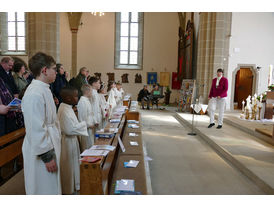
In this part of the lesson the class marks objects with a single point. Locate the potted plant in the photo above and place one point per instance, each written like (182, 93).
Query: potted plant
(271, 88)
(167, 95)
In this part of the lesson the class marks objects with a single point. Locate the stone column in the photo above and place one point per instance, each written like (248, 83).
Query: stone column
(213, 49)
(74, 22)
(43, 33)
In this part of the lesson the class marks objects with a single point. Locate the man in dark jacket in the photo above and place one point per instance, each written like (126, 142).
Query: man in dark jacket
(6, 65)
(81, 79)
(144, 96)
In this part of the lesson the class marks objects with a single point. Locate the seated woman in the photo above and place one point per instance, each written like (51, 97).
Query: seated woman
(143, 97)
(156, 95)
(19, 71)
(9, 120)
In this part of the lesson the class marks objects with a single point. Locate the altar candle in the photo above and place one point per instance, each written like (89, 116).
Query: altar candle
(243, 107)
(270, 75)
(261, 98)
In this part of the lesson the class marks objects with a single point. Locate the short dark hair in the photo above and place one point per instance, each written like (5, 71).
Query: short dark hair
(93, 80)
(38, 61)
(58, 66)
(67, 91)
(17, 67)
(220, 70)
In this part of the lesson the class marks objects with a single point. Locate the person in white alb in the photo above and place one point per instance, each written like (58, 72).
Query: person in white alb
(112, 96)
(70, 129)
(95, 102)
(85, 113)
(104, 105)
(119, 93)
(42, 143)
(217, 97)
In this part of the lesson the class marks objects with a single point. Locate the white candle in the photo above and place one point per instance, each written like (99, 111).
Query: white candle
(261, 98)
(270, 74)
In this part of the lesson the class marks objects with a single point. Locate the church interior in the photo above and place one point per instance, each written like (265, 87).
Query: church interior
(164, 66)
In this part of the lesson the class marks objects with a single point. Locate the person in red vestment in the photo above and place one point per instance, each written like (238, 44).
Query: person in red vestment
(217, 97)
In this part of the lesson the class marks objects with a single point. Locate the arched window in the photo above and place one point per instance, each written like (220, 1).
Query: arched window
(129, 40)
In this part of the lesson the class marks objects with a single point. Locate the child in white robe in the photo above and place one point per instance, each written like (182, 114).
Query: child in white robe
(85, 114)
(104, 105)
(119, 93)
(95, 104)
(42, 143)
(70, 152)
(112, 96)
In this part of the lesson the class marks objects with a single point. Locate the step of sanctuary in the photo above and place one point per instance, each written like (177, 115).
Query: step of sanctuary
(249, 126)
(250, 155)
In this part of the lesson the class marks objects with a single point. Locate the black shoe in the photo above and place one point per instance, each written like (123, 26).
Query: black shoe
(219, 126)
(211, 125)
(143, 108)
(148, 108)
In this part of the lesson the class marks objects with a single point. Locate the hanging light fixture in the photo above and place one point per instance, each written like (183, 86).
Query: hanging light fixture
(98, 13)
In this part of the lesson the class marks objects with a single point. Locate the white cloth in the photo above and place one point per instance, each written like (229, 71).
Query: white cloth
(199, 107)
(218, 81)
(104, 108)
(220, 103)
(70, 155)
(95, 107)
(112, 100)
(85, 114)
(42, 135)
(119, 94)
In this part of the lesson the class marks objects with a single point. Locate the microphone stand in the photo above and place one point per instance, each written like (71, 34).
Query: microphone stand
(192, 133)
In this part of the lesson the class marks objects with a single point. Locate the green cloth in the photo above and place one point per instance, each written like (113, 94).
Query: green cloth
(156, 92)
(20, 82)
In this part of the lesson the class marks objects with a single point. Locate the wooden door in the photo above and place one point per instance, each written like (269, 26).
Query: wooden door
(243, 86)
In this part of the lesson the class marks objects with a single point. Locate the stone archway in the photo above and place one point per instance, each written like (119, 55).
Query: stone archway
(254, 85)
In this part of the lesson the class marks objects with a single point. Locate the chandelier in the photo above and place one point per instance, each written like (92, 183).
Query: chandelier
(98, 13)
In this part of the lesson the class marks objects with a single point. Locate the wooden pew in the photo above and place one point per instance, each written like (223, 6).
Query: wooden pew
(95, 178)
(11, 146)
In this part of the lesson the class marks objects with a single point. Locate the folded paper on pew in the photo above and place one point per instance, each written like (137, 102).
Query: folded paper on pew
(131, 164)
(134, 126)
(124, 185)
(121, 144)
(92, 152)
(133, 143)
(114, 121)
(103, 147)
(133, 134)
(133, 121)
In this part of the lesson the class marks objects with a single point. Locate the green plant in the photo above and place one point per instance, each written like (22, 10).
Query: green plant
(168, 89)
(271, 87)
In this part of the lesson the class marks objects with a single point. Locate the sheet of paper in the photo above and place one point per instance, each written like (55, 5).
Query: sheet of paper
(132, 163)
(133, 121)
(121, 144)
(103, 147)
(134, 126)
(133, 143)
(114, 130)
(133, 134)
(114, 120)
(91, 152)
(124, 185)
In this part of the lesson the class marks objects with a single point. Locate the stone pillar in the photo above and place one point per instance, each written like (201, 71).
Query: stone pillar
(74, 22)
(43, 34)
(213, 49)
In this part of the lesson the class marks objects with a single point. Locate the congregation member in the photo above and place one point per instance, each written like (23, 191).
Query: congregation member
(111, 96)
(85, 113)
(217, 97)
(6, 66)
(104, 105)
(95, 102)
(19, 79)
(70, 152)
(42, 143)
(81, 79)
(143, 97)
(60, 82)
(9, 120)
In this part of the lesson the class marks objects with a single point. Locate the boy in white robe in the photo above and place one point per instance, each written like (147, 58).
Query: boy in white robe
(70, 153)
(104, 105)
(85, 114)
(112, 96)
(42, 143)
(95, 104)
(119, 93)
